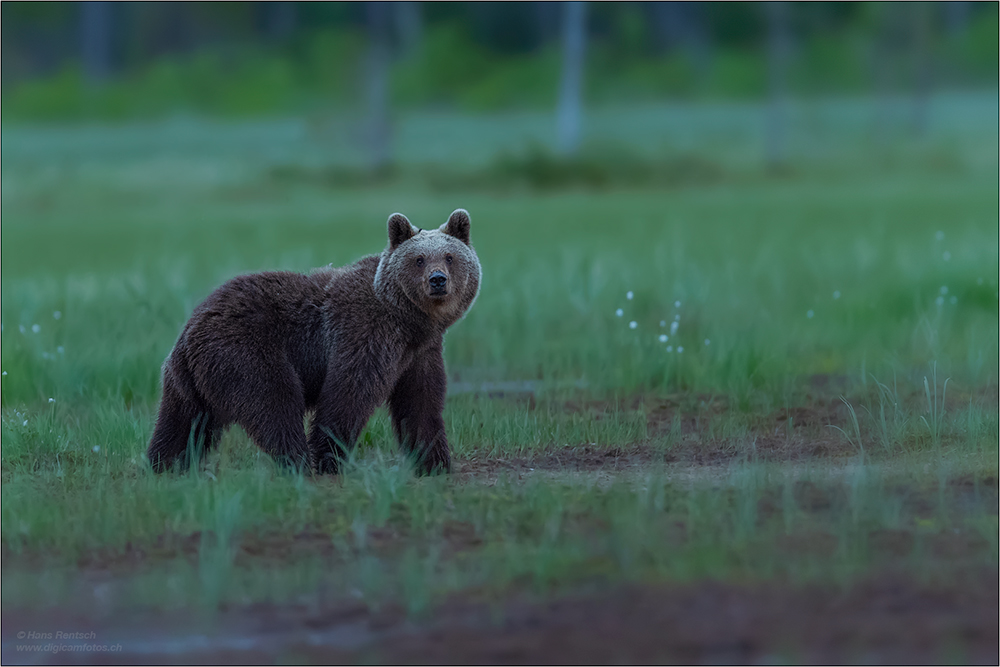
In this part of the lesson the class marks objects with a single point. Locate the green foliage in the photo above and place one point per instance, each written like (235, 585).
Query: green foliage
(452, 66)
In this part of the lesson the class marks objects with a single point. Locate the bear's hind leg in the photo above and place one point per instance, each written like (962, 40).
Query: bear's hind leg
(274, 421)
(185, 432)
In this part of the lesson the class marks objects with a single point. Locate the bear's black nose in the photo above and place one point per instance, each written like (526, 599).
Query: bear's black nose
(438, 280)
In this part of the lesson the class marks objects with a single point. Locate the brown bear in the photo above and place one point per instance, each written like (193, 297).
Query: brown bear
(266, 347)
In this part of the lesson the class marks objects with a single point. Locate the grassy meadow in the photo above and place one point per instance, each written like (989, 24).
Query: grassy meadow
(682, 367)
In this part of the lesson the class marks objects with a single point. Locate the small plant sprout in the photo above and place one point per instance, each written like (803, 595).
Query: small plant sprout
(633, 324)
(35, 328)
(853, 438)
(939, 236)
(944, 289)
(836, 294)
(96, 448)
(619, 312)
(673, 327)
(56, 315)
(680, 349)
(810, 314)
(663, 339)
(629, 295)
(946, 256)
(663, 323)
(935, 419)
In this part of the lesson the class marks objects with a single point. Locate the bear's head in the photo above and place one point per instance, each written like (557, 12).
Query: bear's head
(435, 270)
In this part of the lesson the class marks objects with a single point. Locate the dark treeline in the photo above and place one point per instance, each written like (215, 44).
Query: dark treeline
(494, 53)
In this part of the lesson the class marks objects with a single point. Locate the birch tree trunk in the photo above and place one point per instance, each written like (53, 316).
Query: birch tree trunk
(778, 48)
(95, 40)
(377, 84)
(569, 113)
(921, 19)
(409, 25)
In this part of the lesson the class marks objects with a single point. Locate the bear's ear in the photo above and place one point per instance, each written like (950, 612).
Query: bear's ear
(458, 225)
(400, 230)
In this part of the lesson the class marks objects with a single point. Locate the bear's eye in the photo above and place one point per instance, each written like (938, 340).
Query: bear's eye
(420, 261)
(447, 258)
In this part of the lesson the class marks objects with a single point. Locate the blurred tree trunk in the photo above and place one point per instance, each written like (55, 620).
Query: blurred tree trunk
(956, 16)
(95, 40)
(569, 113)
(881, 56)
(921, 27)
(409, 25)
(681, 25)
(377, 84)
(546, 21)
(778, 51)
(278, 19)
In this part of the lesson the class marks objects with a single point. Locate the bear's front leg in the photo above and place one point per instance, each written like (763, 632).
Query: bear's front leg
(358, 380)
(416, 406)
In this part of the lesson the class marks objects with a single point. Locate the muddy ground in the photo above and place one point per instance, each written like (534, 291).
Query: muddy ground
(886, 619)
(889, 617)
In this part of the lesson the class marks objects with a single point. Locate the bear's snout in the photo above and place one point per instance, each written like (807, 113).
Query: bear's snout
(439, 283)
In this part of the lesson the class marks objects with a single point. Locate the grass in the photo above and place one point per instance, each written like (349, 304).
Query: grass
(588, 451)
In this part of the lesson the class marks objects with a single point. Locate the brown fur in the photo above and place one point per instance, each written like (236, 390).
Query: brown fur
(264, 348)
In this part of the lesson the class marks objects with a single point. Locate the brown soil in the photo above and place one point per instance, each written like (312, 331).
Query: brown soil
(887, 619)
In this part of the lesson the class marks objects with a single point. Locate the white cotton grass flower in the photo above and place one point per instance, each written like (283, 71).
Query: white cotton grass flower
(939, 301)
(810, 314)
(670, 348)
(707, 342)
(663, 323)
(96, 448)
(680, 350)
(629, 295)
(57, 315)
(673, 327)
(52, 400)
(946, 256)
(939, 236)
(664, 338)
(836, 294)
(619, 312)
(21, 327)
(944, 289)
(953, 299)
(35, 328)
(633, 324)
(24, 423)
(677, 304)
(979, 281)
(61, 350)
(4, 374)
